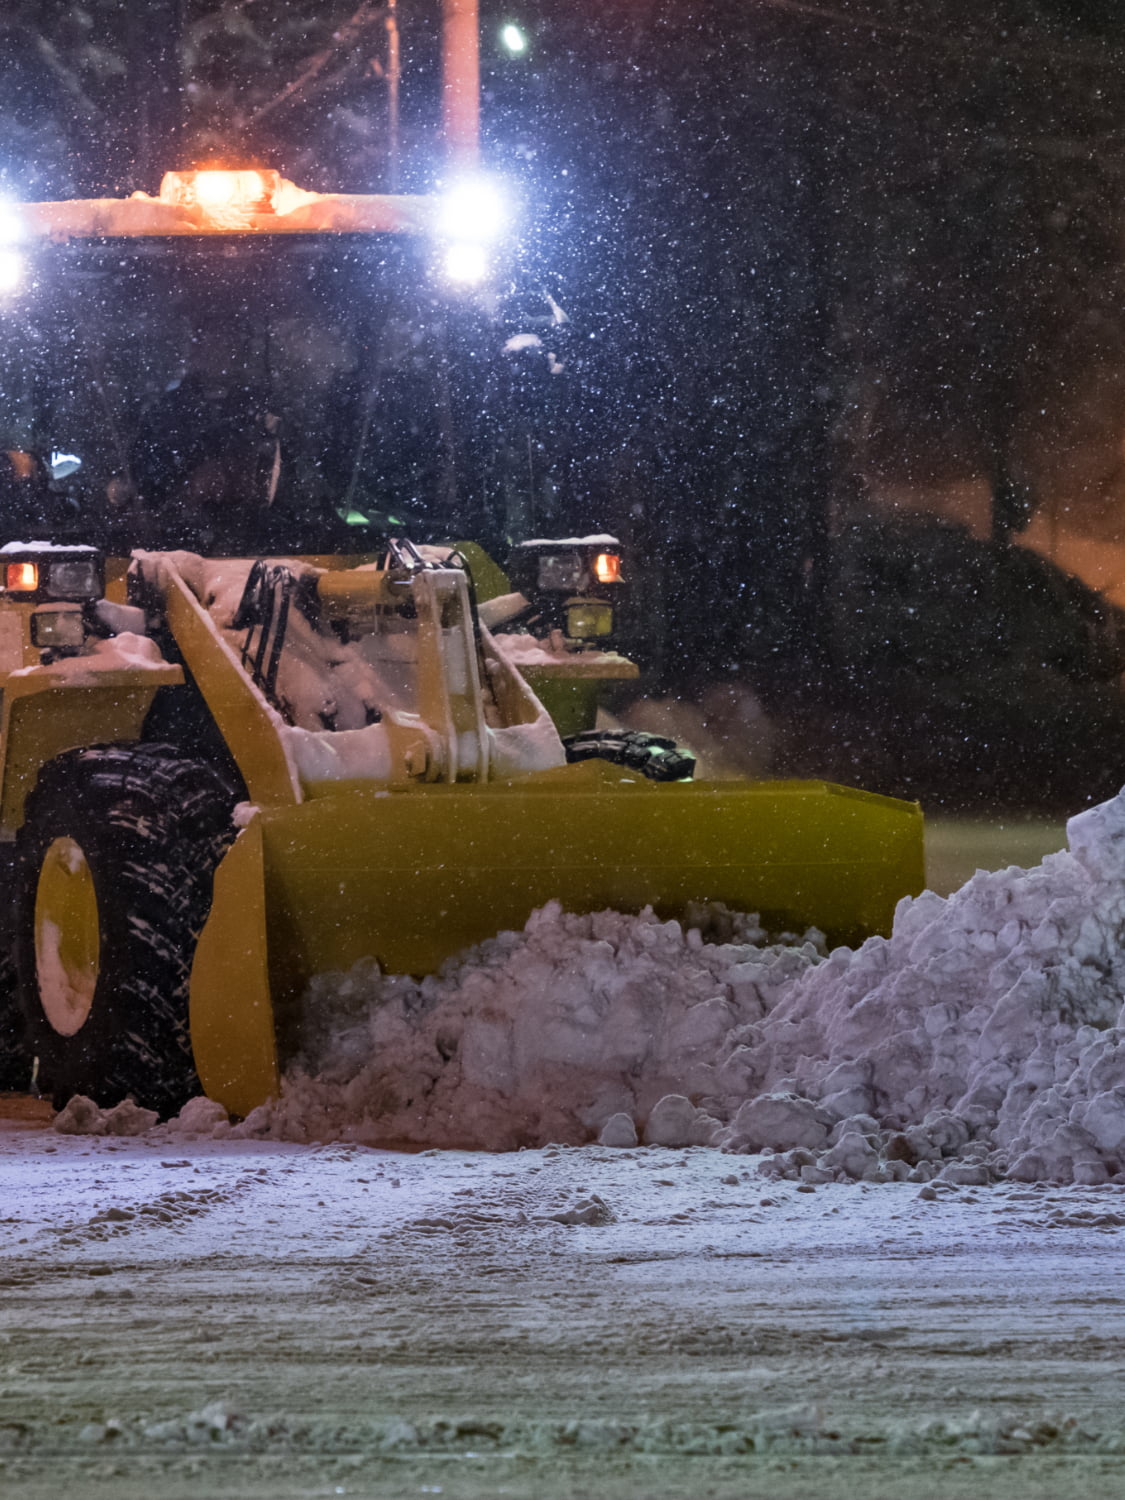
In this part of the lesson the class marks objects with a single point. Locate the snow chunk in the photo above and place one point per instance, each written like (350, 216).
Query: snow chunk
(675, 1121)
(200, 1116)
(82, 1116)
(618, 1131)
(1096, 838)
(775, 1120)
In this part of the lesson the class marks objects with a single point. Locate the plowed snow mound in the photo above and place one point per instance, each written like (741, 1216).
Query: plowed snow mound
(534, 1036)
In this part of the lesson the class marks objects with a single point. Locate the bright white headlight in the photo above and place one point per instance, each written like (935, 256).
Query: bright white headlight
(12, 269)
(466, 264)
(474, 211)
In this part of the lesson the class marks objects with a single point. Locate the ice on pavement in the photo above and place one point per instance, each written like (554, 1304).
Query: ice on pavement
(984, 1038)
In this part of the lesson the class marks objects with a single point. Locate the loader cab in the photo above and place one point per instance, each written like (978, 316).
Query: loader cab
(231, 394)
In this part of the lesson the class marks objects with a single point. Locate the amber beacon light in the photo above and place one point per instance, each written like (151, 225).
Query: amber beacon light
(215, 190)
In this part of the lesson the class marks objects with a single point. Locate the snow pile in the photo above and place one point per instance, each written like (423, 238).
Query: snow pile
(988, 1027)
(984, 1037)
(535, 1036)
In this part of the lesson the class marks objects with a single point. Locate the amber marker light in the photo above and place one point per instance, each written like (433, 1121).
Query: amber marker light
(607, 567)
(21, 577)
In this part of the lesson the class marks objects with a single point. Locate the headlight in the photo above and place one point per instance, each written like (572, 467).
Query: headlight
(21, 577)
(78, 578)
(58, 627)
(467, 265)
(574, 584)
(13, 270)
(513, 39)
(571, 565)
(588, 618)
(561, 570)
(607, 567)
(473, 211)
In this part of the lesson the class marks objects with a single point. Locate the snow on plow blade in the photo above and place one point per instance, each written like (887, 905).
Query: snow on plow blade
(411, 877)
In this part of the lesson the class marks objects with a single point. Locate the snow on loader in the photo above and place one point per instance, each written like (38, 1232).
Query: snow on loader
(242, 751)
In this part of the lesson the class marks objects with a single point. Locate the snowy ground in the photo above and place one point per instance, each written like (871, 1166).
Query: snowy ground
(208, 1318)
(192, 1316)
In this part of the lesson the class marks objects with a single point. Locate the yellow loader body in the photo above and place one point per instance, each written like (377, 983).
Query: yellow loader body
(401, 834)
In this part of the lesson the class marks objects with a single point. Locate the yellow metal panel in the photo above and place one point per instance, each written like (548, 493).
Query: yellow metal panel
(117, 579)
(232, 1030)
(247, 723)
(571, 702)
(67, 936)
(489, 580)
(43, 715)
(410, 877)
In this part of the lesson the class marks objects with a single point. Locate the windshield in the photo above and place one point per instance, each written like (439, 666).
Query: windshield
(239, 395)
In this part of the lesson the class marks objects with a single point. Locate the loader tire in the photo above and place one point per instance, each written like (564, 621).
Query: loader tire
(653, 755)
(115, 867)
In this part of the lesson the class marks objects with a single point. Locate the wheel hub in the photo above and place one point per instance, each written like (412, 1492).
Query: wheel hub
(67, 937)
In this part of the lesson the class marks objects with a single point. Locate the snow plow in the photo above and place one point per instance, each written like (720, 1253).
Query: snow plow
(249, 731)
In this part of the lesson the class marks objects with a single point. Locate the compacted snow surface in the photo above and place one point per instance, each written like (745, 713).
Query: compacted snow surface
(746, 1301)
(982, 1040)
(189, 1317)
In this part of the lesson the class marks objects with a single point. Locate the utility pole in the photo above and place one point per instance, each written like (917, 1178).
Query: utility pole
(461, 82)
(394, 79)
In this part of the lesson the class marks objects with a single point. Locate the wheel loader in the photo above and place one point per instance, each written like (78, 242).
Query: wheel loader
(251, 729)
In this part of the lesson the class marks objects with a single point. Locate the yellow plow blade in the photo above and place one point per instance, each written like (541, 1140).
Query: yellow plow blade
(411, 877)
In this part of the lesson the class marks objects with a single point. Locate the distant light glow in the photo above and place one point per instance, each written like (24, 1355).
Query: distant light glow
(513, 39)
(12, 270)
(468, 265)
(217, 189)
(473, 210)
